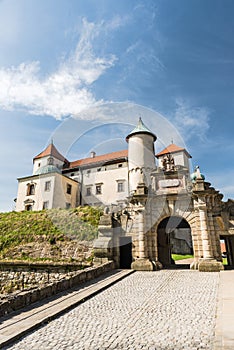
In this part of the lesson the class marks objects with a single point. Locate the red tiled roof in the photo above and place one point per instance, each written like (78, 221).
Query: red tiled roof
(172, 148)
(104, 158)
(51, 150)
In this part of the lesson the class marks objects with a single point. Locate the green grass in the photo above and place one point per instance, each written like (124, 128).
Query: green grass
(53, 225)
(180, 257)
(225, 261)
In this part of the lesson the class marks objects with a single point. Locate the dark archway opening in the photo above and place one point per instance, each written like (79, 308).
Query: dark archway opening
(174, 240)
(125, 251)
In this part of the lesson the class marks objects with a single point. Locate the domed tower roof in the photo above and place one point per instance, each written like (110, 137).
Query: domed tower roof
(197, 175)
(141, 129)
(49, 168)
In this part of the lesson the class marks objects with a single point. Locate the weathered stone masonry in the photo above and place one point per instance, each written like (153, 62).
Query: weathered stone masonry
(171, 202)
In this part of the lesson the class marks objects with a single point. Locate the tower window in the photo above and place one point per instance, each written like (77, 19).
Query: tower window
(47, 186)
(69, 189)
(88, 191)
(50, 161)
(98, 189)
(120, 165)
(45, 205)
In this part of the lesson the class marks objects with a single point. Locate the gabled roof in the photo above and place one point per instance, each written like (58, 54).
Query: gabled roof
(172, 148)
(141, 129)
(51, 150)
(104, 158)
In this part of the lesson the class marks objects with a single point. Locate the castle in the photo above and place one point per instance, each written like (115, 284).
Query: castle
(159, 207)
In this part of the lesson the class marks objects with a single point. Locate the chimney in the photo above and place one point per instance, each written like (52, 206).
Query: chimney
(92, 154)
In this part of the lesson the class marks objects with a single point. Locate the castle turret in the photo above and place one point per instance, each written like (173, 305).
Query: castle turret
(141, 155)
(180, 156)
(49, 157)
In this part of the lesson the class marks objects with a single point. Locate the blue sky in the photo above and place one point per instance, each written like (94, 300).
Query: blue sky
(59, 58)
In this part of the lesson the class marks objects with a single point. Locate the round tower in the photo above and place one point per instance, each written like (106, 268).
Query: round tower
(141, 156)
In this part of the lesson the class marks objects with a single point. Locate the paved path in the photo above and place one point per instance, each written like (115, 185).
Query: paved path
(14, 326)
(163, 310)
(225, 312)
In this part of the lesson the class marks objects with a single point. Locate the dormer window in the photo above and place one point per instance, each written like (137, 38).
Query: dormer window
(50, 161)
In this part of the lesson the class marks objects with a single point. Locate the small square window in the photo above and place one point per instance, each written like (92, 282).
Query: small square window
(47, 185)
(99, 169)
(120, 165)
(69, 189)
(88, 191)
(98, 189)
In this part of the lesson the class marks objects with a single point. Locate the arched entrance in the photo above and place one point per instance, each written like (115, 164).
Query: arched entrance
(173, 237)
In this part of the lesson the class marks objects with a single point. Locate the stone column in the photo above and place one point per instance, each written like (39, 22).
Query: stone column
(141, 236)
(205, 235)
(142, 263)
(208, 262)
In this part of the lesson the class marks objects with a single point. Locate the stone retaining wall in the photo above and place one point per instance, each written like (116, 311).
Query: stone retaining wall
(18, 276)
(60, 281)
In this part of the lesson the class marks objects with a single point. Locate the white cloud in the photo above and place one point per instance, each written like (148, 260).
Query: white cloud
(190, 120)
(65, 91)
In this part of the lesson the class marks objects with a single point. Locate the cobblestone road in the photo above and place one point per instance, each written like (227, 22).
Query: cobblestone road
(166, 310)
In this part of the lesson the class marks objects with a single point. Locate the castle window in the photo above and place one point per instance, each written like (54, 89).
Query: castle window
(68, 205)
(50, 161)
(120, 165)
(47, 186)
(29, 207)
(88, 191)
(120, 187)
(69, 189)
(30, 189)
(98, 189)
(39, 164)
(45, 205)
(99, 169)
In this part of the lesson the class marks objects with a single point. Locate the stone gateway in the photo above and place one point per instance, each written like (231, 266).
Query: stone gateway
(168, 211)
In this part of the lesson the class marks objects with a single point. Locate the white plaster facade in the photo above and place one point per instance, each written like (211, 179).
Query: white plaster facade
(58, 183)
(50, 191)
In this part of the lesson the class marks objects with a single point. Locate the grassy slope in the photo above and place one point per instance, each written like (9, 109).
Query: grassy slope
(19, 228)
(181, 257)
